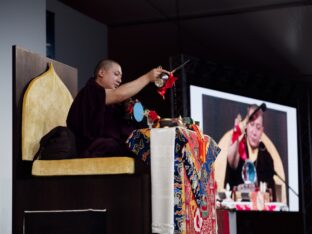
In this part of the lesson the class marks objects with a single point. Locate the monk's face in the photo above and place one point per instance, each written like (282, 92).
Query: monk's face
(255, 130)
(111, 76)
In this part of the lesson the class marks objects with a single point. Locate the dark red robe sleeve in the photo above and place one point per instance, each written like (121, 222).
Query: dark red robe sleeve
(100, 130)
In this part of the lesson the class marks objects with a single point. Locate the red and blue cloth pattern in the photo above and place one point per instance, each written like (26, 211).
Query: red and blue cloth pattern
(194, 184)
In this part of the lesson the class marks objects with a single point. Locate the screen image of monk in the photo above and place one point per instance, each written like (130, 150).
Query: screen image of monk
(244, 137)
(245, 145)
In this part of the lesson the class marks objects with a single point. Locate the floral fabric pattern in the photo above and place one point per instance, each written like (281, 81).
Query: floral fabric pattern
(194, 183)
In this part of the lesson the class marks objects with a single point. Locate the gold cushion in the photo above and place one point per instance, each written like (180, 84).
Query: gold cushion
(84, 166)
(46, 103)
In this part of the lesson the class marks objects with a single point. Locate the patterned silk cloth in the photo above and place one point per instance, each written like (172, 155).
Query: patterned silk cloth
(194, 186)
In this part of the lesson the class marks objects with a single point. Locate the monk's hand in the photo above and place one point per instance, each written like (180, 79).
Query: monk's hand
(155, 73)
(237, 120)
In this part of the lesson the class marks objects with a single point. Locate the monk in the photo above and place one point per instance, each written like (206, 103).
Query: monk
(96, 116)
(248, 145)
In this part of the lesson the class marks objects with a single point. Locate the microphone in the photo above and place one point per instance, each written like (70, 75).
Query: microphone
(287, 185)
(262, 107)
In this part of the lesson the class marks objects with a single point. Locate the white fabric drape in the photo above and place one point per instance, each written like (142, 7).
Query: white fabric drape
(162, 175)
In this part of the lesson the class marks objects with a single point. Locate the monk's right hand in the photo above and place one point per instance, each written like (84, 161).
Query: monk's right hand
(156, 73)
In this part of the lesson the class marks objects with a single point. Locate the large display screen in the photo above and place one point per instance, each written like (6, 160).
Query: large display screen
(216, 111)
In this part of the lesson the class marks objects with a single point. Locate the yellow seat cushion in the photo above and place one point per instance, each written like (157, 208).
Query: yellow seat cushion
(84, 166)
(46, 103)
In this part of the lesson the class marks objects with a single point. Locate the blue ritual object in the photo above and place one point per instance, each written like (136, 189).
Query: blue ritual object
(138, 111)
(249, 172)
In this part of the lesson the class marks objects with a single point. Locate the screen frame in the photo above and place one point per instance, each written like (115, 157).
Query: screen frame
(196, 107)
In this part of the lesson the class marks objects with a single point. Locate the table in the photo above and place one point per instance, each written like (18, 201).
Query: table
(183, 186)
(250, 206)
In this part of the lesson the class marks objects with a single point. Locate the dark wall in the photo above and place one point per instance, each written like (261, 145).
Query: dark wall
(273, 39)
(141, 48)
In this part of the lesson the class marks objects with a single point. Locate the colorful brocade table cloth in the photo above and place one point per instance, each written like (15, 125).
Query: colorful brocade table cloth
(183, 185)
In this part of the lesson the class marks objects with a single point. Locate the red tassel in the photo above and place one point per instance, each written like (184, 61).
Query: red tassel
(242, 149)
(169, 84)
(236, 133)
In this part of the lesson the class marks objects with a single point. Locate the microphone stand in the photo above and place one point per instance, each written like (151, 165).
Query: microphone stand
(287, 185)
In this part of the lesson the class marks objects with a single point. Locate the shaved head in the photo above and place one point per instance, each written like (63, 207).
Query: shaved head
(104, 63)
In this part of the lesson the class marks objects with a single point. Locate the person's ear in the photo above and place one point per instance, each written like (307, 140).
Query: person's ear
(101, 72)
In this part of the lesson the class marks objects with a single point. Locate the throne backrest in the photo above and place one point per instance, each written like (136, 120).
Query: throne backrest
(46, 103)
(31, 73)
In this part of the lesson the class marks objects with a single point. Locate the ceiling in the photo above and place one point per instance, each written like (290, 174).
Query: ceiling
(273, 35)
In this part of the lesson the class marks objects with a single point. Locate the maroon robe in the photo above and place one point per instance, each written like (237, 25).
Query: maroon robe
(100, 129)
